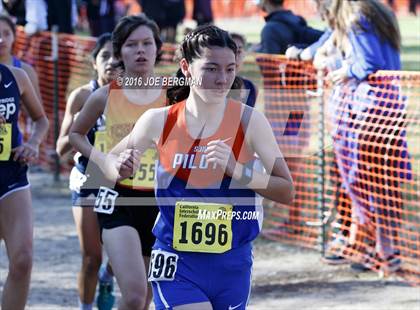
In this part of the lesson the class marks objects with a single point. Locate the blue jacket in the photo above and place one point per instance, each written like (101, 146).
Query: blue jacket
(283, 28)
(370, 53)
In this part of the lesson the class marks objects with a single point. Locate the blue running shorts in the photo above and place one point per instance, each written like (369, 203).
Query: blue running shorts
(13, 177)
(180, 278)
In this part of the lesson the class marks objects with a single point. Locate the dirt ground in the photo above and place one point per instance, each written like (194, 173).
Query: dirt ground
(284, 277)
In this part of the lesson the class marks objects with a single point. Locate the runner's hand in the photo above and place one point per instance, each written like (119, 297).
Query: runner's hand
(128, 163)
(221, 153)
(26, 153)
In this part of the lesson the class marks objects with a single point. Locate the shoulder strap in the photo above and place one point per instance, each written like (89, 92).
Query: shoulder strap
(171, 120)
(94, 85)
(240, 134)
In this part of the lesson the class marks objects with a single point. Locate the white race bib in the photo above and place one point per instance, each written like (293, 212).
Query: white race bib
(105, 201)
(162, 266)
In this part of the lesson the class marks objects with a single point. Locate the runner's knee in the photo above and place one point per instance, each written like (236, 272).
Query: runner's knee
(21, 264)
(91, 263)
(136, 298)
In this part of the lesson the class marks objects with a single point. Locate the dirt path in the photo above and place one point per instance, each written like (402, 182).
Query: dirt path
(283, 278)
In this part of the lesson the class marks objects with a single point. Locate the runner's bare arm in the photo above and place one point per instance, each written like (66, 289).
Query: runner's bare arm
(277, 184)
(91, 111)
(74, 105)
(29, 150)
(123, 160)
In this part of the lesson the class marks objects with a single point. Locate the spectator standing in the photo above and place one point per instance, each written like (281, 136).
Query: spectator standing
(175, 13)
(101, 16)
(369, 37)
(283, 28)
(202, 12)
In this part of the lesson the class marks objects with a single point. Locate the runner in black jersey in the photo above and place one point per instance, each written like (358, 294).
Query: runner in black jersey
(84, 183)
(15, 198)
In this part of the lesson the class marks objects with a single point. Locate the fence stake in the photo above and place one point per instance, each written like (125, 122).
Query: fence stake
(54, 57)
(320, 86)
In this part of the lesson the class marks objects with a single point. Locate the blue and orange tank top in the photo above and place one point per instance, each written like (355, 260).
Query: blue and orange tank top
(187, 185)
(10, 135)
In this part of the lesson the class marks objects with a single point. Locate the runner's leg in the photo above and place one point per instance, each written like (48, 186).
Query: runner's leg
(88, 231)
(149, 286)
(127, 264)
(17, 231)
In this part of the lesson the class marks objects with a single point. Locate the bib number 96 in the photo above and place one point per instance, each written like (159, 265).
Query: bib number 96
(162, 266)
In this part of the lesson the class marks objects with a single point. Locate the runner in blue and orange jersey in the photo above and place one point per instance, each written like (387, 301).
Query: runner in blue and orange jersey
(206, 182)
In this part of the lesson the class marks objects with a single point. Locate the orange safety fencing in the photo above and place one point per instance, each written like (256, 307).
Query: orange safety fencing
(74, 70)
(354, 156)
(372, 181)
(293, 116)
(357, 189)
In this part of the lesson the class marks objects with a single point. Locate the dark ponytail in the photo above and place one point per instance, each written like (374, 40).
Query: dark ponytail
(178, 93)
(192, 47)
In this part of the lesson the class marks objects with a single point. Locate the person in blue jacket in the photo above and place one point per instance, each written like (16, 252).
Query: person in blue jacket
(283, 28)
(369, 38)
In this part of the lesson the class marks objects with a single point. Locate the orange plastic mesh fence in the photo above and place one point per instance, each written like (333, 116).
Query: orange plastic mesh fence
(347, 149)
(74, 70)
(284, 96)
(372, 186)
(355, 164)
